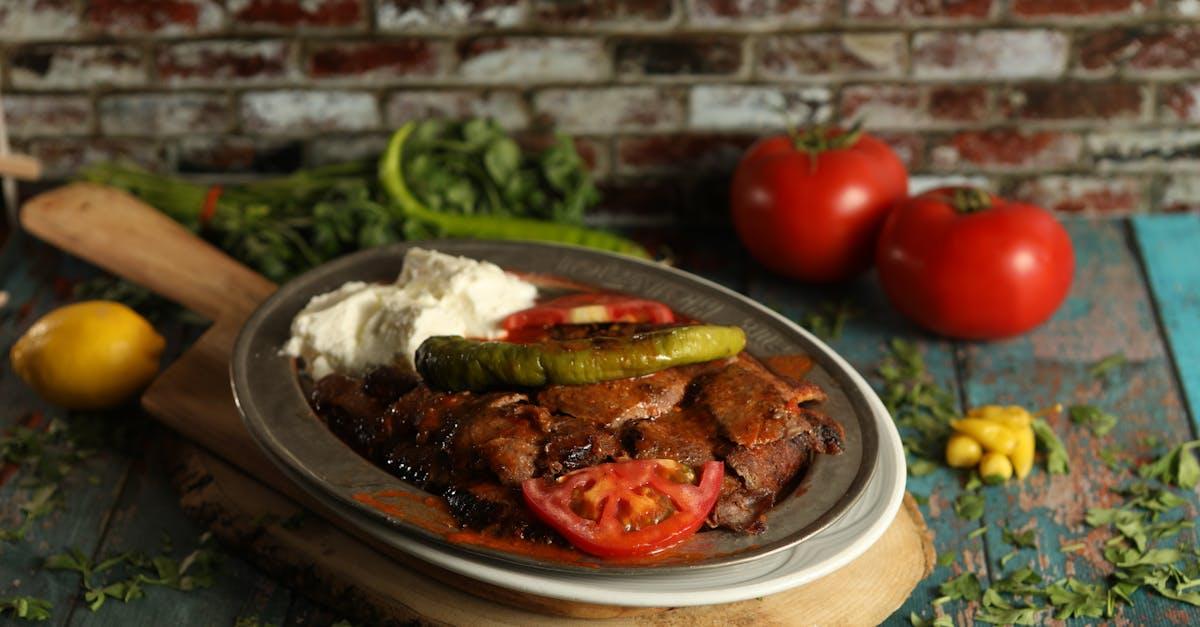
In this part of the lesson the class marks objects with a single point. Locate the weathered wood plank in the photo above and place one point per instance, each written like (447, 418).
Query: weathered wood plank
(28, 272)
(864, 344)
(1169, 246)
(1108, 311)
(148, 509)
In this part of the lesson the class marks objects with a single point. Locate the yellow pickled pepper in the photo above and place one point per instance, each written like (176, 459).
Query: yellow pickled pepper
(992, 435)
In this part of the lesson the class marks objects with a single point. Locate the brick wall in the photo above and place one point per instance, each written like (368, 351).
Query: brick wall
(1080, 105)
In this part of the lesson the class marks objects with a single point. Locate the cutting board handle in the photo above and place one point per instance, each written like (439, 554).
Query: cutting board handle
(131, 239)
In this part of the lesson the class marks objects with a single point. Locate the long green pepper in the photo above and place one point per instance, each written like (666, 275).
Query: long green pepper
(454, 363)
(391, 178)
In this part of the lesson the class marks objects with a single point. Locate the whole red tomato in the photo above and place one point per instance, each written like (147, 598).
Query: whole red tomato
(809, 205)
(967, 264)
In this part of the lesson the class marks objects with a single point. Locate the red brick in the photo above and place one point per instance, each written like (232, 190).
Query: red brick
(76, 67)
(1168, 51)
(394, 59)
(1075, 101)
(25, 20)
(910, 147)
(62, 157)
(990, 53)
(596, 155)
(852, 54)
(1081, 194)
(572, 13)
(609, 110)
(225, 62)
(161, 17)
(960, 104)
(301, 112)
(735, 107)
(297, 13)
(1181, 193)
(760, 13)
(164, 114)
(426, 15)
(505, 107)
(28, 116)
(1103, 51)
(692, 153)
(1181, 102)
(1007, 149)
(1079, 8)
(225, 153)
(925, 9)
(906, 106)
(533, 59)
(1146, 150)
(708, 55)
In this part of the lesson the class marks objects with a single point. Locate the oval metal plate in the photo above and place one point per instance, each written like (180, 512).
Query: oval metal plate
(279, 418)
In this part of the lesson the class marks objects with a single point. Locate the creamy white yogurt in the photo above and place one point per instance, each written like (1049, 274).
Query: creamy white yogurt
(362, 325)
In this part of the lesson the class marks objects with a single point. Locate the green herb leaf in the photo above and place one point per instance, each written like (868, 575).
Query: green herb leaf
(1092, 417)
(965, 586)
(938, 621)
(1072, 598)
(1179, 466)
(945, 559)
(978, 532)
(1106, 365)
(1057, 461)
(1020, 539)
(25, 608)
(969, 506)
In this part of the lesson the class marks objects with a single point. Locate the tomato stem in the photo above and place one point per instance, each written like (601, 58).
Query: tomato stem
(971, 200)
(820, 138)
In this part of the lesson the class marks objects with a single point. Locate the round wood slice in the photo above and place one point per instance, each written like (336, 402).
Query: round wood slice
(374, 584)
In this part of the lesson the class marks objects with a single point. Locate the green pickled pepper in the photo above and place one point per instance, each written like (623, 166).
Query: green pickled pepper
(455, 363)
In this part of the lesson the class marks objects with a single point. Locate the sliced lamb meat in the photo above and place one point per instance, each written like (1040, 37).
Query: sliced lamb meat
(827, 435)
(389, 383)
(354, 416)
(687, 437)
(740, 509)
(576, 443)
(489, 507)
(498, 432)
(768, 467)
(753, 406)
(753, 481)
(612, 403)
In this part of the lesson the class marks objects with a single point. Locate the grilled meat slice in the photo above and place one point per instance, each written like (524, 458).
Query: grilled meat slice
(491, 508)
(576, 443)
(754, 406)
(740, 509)
(768, 468)
(688, 437)
(498, 432)
(612, 403)
(389, 383)
(353, 415)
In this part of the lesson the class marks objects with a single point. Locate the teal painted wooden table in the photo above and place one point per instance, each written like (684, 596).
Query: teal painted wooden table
(1137, 292)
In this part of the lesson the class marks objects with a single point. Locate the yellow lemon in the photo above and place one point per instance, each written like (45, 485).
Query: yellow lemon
(88, 355)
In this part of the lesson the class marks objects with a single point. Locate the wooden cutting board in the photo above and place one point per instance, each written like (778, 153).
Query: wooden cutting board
(245, 499)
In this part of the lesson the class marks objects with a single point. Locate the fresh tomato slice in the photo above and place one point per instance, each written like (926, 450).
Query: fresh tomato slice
(588, 308)
(624, 509)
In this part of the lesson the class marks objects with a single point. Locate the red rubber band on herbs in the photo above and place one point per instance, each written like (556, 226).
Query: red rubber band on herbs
(210, 205)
